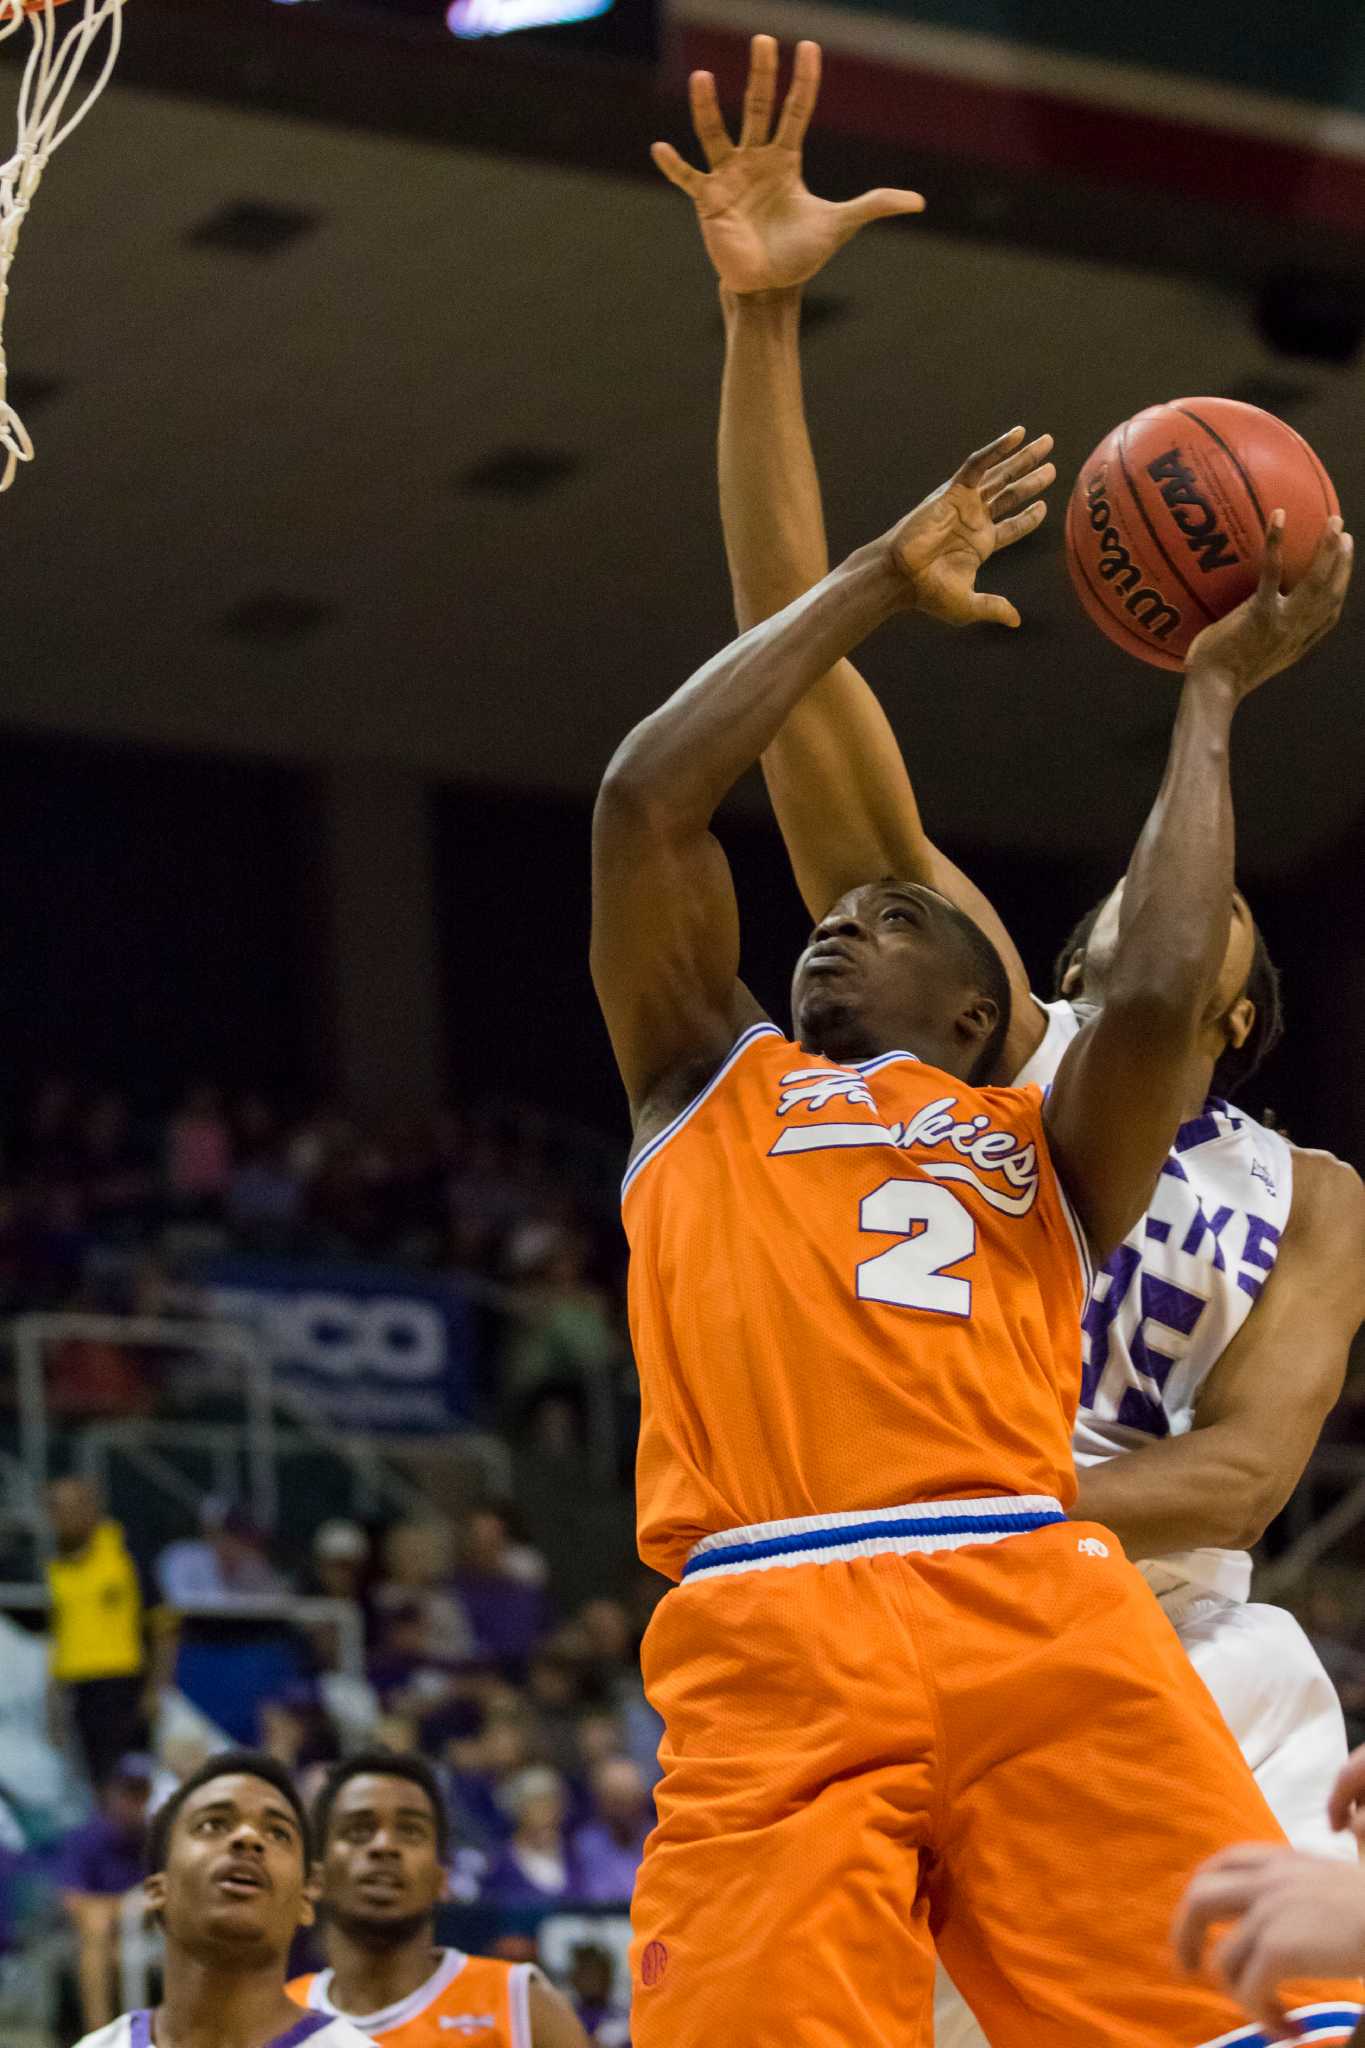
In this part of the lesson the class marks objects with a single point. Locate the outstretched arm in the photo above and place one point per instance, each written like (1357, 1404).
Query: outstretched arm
(835, 772)
(1116, 1103)
(665, 942)
(1263, 1406)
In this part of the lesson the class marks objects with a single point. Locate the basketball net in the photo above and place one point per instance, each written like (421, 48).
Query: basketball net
(50, 108)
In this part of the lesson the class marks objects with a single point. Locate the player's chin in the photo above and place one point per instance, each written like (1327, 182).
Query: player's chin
(826, 1021)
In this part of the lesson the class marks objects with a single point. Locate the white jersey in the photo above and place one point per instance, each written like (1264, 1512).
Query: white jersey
(316, 2029)
(1167, 1304)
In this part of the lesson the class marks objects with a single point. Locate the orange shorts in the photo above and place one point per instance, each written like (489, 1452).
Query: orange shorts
(998, 1748)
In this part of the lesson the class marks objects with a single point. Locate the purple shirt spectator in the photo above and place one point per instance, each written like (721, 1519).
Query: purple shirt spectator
(100, 1859)
(604, 1866)
(508, 1618)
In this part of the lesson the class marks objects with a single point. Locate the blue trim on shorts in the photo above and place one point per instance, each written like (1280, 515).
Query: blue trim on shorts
(869, 1532)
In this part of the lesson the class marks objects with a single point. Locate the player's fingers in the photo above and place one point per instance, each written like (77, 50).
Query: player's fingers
(994, 611)
(1018, 465)
(711, 131)
(883, 203)
(1000, 505)
(978, 467)
(1220, 1891)
(1254, 1975)
(760, 93)
(1020, 526)
(1323, 566)
(676, 170)
(1272, 562)
(801, 98)
(1350, 1787)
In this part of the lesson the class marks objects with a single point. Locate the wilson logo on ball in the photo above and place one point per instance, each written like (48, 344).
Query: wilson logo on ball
(1118, 568)
(1192, 513)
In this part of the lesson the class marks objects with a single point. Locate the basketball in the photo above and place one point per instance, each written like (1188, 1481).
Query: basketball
(1166, 528)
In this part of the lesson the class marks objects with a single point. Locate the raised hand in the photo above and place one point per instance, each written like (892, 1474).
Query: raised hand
(1270, 632)
(992, 502)
(763, 230)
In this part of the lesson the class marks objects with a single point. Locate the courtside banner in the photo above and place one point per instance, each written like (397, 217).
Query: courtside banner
(371, 1347)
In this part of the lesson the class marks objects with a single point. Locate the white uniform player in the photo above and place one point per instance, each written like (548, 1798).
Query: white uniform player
(1162, 1312)
(316, 2029)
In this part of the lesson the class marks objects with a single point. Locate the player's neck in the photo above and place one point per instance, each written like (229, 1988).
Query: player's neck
(1201, 1083)
(367, 1980)
(207, 2006)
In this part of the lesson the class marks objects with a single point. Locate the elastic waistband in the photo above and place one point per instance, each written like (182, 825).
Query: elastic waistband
(823, 1539)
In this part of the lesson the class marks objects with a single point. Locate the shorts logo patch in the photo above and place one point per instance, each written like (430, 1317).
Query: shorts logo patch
(653, 1963)
(1090, 1546)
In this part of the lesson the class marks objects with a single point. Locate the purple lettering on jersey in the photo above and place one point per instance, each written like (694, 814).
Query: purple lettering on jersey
(1157, 1230)
(1172, 1308)
(1101, 1315)
(1198, 1131)
(1206, 1226)
(139, 2030)
(1175, 1170)
(1261, 1249)
(1144, 1412)
(303, 2030)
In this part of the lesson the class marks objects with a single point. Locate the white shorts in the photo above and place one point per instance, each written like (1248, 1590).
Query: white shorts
(1278, 1701)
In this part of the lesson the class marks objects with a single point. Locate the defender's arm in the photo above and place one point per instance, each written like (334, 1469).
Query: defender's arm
(1263, 1407)
(835, 772)
(1116, 1103)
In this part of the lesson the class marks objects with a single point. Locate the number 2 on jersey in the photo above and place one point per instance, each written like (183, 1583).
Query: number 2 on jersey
(937, 1231)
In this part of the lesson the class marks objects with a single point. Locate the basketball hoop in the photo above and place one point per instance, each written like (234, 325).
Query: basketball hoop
(49, 109)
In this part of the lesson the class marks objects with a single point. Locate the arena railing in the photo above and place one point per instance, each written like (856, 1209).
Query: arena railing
(264, 1445)
(289, 1610)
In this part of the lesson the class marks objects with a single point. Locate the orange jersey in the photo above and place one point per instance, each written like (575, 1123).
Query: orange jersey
(467, 2002)
(851, 1287)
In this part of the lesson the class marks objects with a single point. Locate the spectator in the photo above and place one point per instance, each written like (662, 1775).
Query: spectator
(118, 1185)
(607, 1851)
(501, 1586)
(554, 1690)
(99, 1658)
(485, 1762)
(226, 1564)
(198, 1154)
(47, 1146)
(341, 1556)
(564, 1346)
(100, 1864)
(534, 1867)
(418, 1559)
(592, 1976)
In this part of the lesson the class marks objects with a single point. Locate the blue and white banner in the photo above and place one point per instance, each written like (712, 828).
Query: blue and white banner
(372, 1347)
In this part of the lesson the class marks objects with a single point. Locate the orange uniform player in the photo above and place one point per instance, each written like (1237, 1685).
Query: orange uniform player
(382, 1839)
(907, 1701)
(473, 2001)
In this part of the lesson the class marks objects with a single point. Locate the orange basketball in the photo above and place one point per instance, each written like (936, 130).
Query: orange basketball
(8, 9)
(1166, 527)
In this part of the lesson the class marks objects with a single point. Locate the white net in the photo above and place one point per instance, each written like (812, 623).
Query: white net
(69, 64)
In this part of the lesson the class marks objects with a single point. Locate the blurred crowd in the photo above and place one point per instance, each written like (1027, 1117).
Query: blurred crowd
(534, 1719)
(105, 1211)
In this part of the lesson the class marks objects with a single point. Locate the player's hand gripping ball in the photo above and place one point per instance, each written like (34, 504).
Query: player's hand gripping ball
(1166, 528)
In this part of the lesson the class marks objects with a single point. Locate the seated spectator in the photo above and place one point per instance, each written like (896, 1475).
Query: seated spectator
(592, 1976)
(198, 1154)
(486, 1757)
(227, 1563)
(564, 1344)
(607, 1851)
(554, 1692)
(418, 1561)
(116, 1173)
(100, 1864)
(501, 1585)
(534, 1867)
